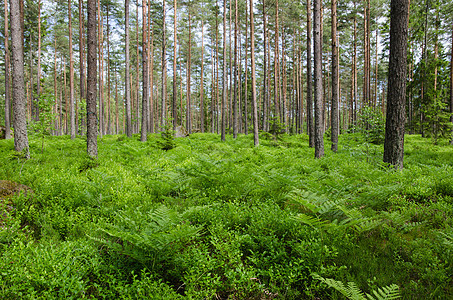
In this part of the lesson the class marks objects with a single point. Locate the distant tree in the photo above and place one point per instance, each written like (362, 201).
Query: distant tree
(396, 96)
(145, 77)
(71, 75)
(92, 147)
(310, 127)
(17, 51)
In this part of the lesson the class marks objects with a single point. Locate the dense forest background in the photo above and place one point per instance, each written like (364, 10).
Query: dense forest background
(186, 63)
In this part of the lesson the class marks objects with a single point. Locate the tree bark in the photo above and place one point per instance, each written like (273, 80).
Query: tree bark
(82, 58)
(127, 73)
(189, 68)
(7, 79)
(256, 140)
(71, 75)
(310, 127)
(224, 83)
(335, 77)
(235, 97)
(92, 148)
(145, 77)
(451, 84)
(396, 95)
(201, 80)
(19, 111)
(38, 77)
(319, 142)
(164, 69)
(174, 108)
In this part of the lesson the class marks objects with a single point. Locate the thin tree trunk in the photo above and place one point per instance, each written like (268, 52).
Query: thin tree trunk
(266, 106)
(310, 125)
(109, 110)
(335, 77)
(235, 98)
(19, 111)
(174, 108)
(224, 80)
(38, 77)
(127, 73)
(256, 140)
(201, 80)
(451, 84)
(319, 142)
(137, 74)
(164, 69)
(82, 60)
(150, 71)
(188, 96)
(276, 67)
(246, 124)
(92, 148)
(7, 79)
(396, 99)
(71, 75)
(145, 75)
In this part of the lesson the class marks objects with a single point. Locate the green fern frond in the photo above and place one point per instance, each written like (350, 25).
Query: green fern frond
(312, 221)
(389, 292)
(353, 292)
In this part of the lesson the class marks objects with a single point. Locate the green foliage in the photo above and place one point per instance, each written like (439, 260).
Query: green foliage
(43, 127)
(353, 292)
(225, 220)
(371, 125)
(167, 136)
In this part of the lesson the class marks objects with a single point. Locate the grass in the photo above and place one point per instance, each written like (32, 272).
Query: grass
(208, 219)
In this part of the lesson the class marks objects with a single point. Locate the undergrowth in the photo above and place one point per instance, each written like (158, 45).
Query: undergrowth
(204, 219)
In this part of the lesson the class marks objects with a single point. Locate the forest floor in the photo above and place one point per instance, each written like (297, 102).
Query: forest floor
(226, 220)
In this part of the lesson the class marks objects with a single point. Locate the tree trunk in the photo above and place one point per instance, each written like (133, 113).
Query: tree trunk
(235, 98)
(310, 125)
(82, 58)
(92, 148)
(174, 108)
(189, 68)
(224, 81)
(335, 77)
(265, 70)
(451, 84)
(276, 67)
(127, 73)
(319, 142)
(145, 77)
(252, 54)
(19, 111)
(164, 69)
(201, 80)
(7, 79)
(38, 77)
(396, 97)
(71, 75)
(109, 110)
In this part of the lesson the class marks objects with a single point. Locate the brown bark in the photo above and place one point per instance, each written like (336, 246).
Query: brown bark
(92, 148)
(276, 67)
(71, 75)
(164, 69)
(310, 125)
(335, 78)
(145, 77)
(224, 75)
(201, 80)
(451, 84)
(235, 98)
(18, 96)
(82, 59)
(127, 73)
(188, 96)
(396, 97)
(174, 108)
(318, 93)
(38, 77)
(256, 140)
(7, 79)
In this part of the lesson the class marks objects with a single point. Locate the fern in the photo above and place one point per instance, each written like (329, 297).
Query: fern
(147, 237)
(353, 292)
